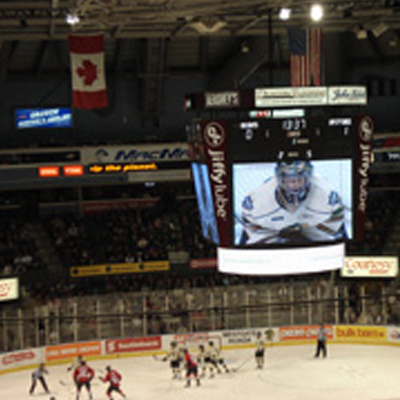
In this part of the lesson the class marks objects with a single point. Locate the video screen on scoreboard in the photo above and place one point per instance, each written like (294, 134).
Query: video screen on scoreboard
(205, 202)
(292, 194)
(292, 181)
(292, 202)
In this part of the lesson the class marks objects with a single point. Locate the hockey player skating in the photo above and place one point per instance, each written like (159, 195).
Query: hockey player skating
(260, 350)
(175, 358)
(38, 375)
(214, 359)
(75, 363)
(113, 378)
(83, 376)
(293, 207)
(201, 360)
(190, 367)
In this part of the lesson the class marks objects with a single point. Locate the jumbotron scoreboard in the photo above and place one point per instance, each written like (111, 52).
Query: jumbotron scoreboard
(238, 144)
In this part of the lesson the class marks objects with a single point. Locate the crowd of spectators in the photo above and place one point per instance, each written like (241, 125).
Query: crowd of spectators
(129, 235)
(138, 235)
(382, 209)
(18, 250)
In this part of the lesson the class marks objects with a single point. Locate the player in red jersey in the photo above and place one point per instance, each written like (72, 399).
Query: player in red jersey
(113, 377)
(191, 368)
(83, 375)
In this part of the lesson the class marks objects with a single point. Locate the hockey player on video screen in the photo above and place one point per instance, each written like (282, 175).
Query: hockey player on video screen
(293, 207)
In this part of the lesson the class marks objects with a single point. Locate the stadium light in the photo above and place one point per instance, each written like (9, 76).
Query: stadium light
(316, 12)
(285, 13)
(72, 18)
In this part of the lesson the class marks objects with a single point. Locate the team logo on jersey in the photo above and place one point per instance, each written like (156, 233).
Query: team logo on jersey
(248, 203)
(334, 198)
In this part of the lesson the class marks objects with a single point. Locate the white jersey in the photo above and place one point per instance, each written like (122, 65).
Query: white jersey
(174, 354)
(212, 352)
(201, 356)
(260, 344)
(265, 213)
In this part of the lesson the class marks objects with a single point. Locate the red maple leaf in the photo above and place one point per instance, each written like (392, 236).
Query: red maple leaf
(88, 71)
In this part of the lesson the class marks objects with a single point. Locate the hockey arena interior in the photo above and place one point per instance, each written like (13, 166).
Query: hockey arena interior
(199, 199)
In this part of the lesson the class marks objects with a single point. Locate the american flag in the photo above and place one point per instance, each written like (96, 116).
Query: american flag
(305, 56)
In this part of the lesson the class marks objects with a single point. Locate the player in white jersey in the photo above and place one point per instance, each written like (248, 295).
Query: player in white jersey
(201, 360)
(75, 363)
(260, 350)
(293, 207)
(214, 359)
(175, 359)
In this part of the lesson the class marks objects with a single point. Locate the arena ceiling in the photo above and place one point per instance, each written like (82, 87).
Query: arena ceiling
(29, 30)
(46, 20)
(154, 38)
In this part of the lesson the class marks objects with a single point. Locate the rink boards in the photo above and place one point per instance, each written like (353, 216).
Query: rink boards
(227, 340)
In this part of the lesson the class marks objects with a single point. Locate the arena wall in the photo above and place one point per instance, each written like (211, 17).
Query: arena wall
(229, 340)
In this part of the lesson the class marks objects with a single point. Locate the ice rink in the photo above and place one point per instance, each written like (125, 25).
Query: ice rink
(350, 372)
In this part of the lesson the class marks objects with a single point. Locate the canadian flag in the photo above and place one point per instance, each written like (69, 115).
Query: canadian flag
(87, 68)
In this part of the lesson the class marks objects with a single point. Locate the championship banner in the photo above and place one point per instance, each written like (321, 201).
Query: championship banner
(215, 141)
(87, 69)
(365, 130)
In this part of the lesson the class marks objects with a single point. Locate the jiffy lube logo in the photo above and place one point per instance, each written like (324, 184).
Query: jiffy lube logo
(214, 136)
(365, 132)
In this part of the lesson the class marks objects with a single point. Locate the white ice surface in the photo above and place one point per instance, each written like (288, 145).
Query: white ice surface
(350, 372)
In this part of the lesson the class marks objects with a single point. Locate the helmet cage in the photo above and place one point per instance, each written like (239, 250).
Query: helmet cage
(294, 169)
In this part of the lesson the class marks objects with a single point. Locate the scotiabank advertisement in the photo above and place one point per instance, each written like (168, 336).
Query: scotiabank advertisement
(133, 345)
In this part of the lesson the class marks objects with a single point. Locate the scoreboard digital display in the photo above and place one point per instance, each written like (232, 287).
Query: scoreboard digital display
(267, 156)
(285, 186)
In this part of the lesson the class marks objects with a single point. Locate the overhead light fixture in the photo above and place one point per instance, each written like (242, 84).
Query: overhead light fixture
(208, 28)
(379, 29)
(361, 33)
(245, 47)
(316, 12)
(285, 13)
(72, 18)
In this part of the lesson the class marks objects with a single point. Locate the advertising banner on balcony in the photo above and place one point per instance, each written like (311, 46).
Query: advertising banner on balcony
(9, 289)
(370, 267)
(121, 268)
